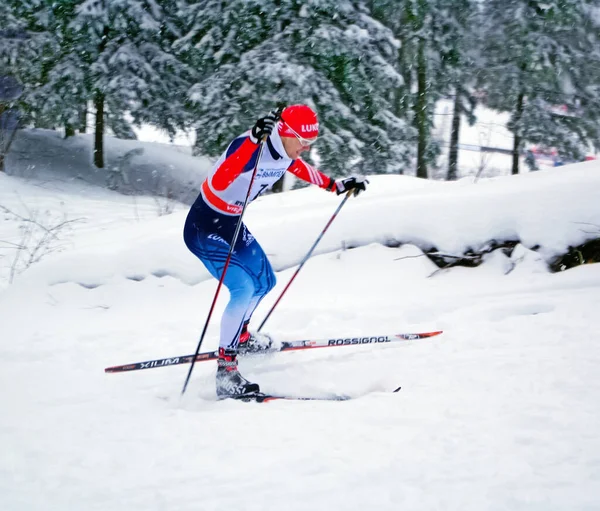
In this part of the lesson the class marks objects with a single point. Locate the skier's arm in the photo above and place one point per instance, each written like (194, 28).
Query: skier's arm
(308, 173)
(242, 152)
(239, 154)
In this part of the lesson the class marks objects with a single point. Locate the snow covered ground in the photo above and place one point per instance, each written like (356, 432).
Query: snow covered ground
(130, 166)
(498, 413)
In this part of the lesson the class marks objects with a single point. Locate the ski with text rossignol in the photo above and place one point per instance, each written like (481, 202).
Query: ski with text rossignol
(284, 346)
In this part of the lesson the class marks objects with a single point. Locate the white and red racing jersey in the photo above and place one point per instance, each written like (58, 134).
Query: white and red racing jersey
(225, 188)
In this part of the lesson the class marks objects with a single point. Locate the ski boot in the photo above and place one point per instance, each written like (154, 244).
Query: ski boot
(253, 343)
(230, 383)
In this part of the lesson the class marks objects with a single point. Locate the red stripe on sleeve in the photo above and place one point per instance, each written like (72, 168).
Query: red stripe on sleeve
(308, 173)
(233, 165)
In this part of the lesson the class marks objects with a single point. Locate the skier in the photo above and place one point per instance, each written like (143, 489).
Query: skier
(212, 220)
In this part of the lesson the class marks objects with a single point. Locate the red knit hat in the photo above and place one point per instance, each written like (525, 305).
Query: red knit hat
(299, 120)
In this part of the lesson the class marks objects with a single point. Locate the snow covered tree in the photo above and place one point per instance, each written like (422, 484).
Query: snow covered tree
(537, 56)
(417, 37)
(456, 42)
(27, 47)
(330, 54)
(434, 59)
(116, 53)
(57, 100)
(131, 67)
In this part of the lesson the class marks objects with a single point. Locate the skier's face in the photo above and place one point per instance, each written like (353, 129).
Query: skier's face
(295, 146)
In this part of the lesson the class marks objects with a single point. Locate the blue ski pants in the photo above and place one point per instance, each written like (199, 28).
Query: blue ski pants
(249, 276)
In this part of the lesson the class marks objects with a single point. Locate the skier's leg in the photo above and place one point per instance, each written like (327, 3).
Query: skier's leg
(241, 293)
(258, 265)
(212, 250)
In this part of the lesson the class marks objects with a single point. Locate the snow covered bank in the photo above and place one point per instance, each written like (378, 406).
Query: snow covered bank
(131, 166)
(548, 211)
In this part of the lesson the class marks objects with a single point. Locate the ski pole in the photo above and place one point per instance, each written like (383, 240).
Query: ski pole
(232, 245)
(306, 257)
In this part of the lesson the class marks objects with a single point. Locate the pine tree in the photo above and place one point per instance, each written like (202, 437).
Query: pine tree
(131, 66)
(331, 55)
(456, 42)
(27, 48)
(116, 53)
(434, 60)
(537, 53)
(58, 99)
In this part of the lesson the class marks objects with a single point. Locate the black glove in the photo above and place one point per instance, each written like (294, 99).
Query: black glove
(264, 126)
(356, 183)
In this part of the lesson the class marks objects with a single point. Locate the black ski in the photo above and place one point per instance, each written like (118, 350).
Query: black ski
(266, 398)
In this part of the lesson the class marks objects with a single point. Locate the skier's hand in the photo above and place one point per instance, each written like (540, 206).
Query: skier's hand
(264, 126)
(355, 183)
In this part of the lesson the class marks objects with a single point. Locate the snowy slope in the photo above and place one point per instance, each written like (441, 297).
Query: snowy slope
(551, 210)
(85, 211)
(498, 413)
(134, 167)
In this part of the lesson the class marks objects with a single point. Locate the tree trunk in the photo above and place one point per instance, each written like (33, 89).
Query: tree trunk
(99, 133)
(2, 108)
(454, 137)
(99, 105)
(402, 94)
(69, 130)
(517, 142)
(6, 137)
(197, 148)
(83, 120)
(421, 113)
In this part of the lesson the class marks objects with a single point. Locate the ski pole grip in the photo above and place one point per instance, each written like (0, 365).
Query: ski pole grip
(278, 113)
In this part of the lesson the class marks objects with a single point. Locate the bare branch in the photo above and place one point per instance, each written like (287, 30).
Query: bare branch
(38, 238)
(409, 257)
(10, 244)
